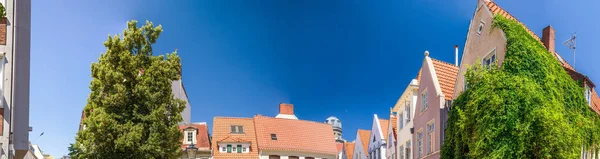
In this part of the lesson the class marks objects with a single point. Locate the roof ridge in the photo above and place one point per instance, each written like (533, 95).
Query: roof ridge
(295, 120)
(444, 62)
(227, 117)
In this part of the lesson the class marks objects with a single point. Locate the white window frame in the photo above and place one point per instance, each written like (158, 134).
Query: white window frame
(407, 110)
(480, 27)
(2, 62)
(187, 132)
(430, 132)
(488, 56)
(424, 100)
(588, 94)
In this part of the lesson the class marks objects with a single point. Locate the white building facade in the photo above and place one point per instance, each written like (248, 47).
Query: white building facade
(405, 115)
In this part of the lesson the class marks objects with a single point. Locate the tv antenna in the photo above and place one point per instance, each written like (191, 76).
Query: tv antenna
(571, 43)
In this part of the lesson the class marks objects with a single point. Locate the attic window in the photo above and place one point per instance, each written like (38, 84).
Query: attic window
(273, 136)
(480, 28)
(588, 94)
(237, 129)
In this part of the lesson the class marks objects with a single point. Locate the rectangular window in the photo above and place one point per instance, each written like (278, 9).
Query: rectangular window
(430, 137)
(401, 153)
(190, 137)
(420, 144)
(424, 103)
(588, 94)
(408, 149)
(490, 58)
(237, 129)
(273, 136)
(239, 148)
(407, 107)
(401, 116)
(228, 148)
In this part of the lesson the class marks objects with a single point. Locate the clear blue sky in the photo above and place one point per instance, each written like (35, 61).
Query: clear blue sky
(344, 58)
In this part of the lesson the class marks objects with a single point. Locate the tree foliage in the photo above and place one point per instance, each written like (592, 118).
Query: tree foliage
(527, 108)
(131, 112)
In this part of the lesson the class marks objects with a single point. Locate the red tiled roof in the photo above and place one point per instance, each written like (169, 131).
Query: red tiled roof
(365, 135)
(384, 127)
(349, 146)
(222, 129)
(202, 139)
(339, 146)
(446, 74)
(294, 135)
(394, 128)
(595, 102)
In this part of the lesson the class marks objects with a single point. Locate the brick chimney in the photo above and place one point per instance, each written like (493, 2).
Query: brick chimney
(548, 38)
(286, 111)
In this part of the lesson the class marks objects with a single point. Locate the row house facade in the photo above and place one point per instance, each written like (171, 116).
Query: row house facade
(280, 137)
(421, 132)
(404, 114)
(15, 42)
(488, 44)
(361, 144)
(434, 97)
(377, 141)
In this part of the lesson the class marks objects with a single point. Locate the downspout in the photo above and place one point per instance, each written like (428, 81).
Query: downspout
(12, 63)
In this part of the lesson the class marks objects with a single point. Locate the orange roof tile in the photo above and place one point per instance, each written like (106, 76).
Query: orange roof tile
(222, 129)
(446, 74)
(384, 127)
(595, 102)
(202, 139)
(339, 146)
(349, 146)
(294, 135)
(365, 135)
(394, 128)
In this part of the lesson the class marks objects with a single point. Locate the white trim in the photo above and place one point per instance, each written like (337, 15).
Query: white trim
(480, 28)
(434, 77)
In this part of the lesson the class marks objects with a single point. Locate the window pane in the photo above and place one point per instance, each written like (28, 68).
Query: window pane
(228, 148)
(239, 148)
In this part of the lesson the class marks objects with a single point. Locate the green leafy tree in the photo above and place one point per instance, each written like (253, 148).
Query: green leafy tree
(527, 108)
(131, 111)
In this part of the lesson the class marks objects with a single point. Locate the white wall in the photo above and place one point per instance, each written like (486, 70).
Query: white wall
(379, 144)
(358, 148)
(404, 135)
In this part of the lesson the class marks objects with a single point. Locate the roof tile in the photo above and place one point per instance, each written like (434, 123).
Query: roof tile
(349, 146)
(202, 139)
(384, 127)
(446, 74)
(222, 130)
(294, 135)
(365, 135)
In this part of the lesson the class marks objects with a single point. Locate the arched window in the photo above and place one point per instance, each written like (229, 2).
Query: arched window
(294, 157)
(309, 158)
(273, 157)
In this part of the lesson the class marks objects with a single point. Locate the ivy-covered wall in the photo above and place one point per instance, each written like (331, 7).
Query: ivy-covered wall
(527, 108)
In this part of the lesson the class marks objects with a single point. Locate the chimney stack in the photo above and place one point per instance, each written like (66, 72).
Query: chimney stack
(286, 111)
(456, 55)
(548, 38)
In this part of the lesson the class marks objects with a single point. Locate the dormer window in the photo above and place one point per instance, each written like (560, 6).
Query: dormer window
(189, 136)
(237, 129)
(588, 94)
